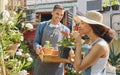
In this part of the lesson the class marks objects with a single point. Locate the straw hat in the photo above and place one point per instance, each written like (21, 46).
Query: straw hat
(92, 17)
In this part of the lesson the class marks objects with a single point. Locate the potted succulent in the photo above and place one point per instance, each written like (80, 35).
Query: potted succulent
(114, 58)
(115, 4)
(106, 5)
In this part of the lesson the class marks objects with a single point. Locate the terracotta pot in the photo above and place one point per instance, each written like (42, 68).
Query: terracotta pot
(48, 51)
(29, 37)
(30, 72)
(55, 53)
(13, 48)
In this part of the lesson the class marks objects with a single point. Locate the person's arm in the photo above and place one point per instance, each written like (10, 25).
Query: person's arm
(118, 68)
(96, 52)
(37, 38)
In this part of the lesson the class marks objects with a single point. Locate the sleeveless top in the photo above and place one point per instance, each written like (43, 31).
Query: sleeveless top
(99, 68)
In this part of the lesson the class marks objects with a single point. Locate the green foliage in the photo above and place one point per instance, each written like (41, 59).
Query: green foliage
(70, 70)
(27, 65)
(20, 61)
(9, 33)
(47, 44)
(106, 3)
(114, 58)
(66, 41)
(72, 73)
(114, 2)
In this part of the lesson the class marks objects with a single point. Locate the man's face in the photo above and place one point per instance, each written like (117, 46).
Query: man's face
(57, 15)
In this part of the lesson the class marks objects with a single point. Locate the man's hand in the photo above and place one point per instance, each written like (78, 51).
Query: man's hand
(39, 49)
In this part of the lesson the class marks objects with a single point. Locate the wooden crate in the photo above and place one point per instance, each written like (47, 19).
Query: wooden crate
(53, 58)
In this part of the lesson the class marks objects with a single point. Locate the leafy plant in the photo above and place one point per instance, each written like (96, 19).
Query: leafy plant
(114, 2)
(22, 60)
(67, 39)
(69, 70)
(10, 34)
(114, 58)
(106, 3)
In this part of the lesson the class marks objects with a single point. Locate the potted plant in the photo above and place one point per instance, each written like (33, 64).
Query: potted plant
(106, 5)
(10, 39)
(115, 4)
(65, 45)
(48, 49)
(22, 61)
(114, 58)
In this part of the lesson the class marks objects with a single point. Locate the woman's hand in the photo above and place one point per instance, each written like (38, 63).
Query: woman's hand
(118, 67)
(77, 38)
(71, 56)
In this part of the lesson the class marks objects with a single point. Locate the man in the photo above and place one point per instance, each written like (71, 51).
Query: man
(49, 31)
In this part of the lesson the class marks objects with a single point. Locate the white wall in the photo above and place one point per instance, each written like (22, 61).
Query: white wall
(106, 21)
(32, 2)
(82, 6)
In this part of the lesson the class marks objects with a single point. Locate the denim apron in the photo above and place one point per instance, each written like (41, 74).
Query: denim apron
(53, 35)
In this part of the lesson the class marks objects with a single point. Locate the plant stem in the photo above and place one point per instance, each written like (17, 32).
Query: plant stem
(2, 61)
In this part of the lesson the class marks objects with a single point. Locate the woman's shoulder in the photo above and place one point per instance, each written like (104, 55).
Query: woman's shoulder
(102, 43)
(103, 48)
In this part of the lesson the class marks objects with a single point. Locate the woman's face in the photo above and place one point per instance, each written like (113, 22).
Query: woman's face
(83, 28)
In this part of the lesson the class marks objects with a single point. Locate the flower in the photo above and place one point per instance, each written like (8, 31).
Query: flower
(19, 53)
(29, 26)
(22, 62)
(23, 72)
(67, 39)
(14, 59)
(29, 59)
(76, 28)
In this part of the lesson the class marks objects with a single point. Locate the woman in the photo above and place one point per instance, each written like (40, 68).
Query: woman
(97, 50)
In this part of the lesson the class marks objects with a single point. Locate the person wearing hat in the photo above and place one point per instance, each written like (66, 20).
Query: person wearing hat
(97, 51)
